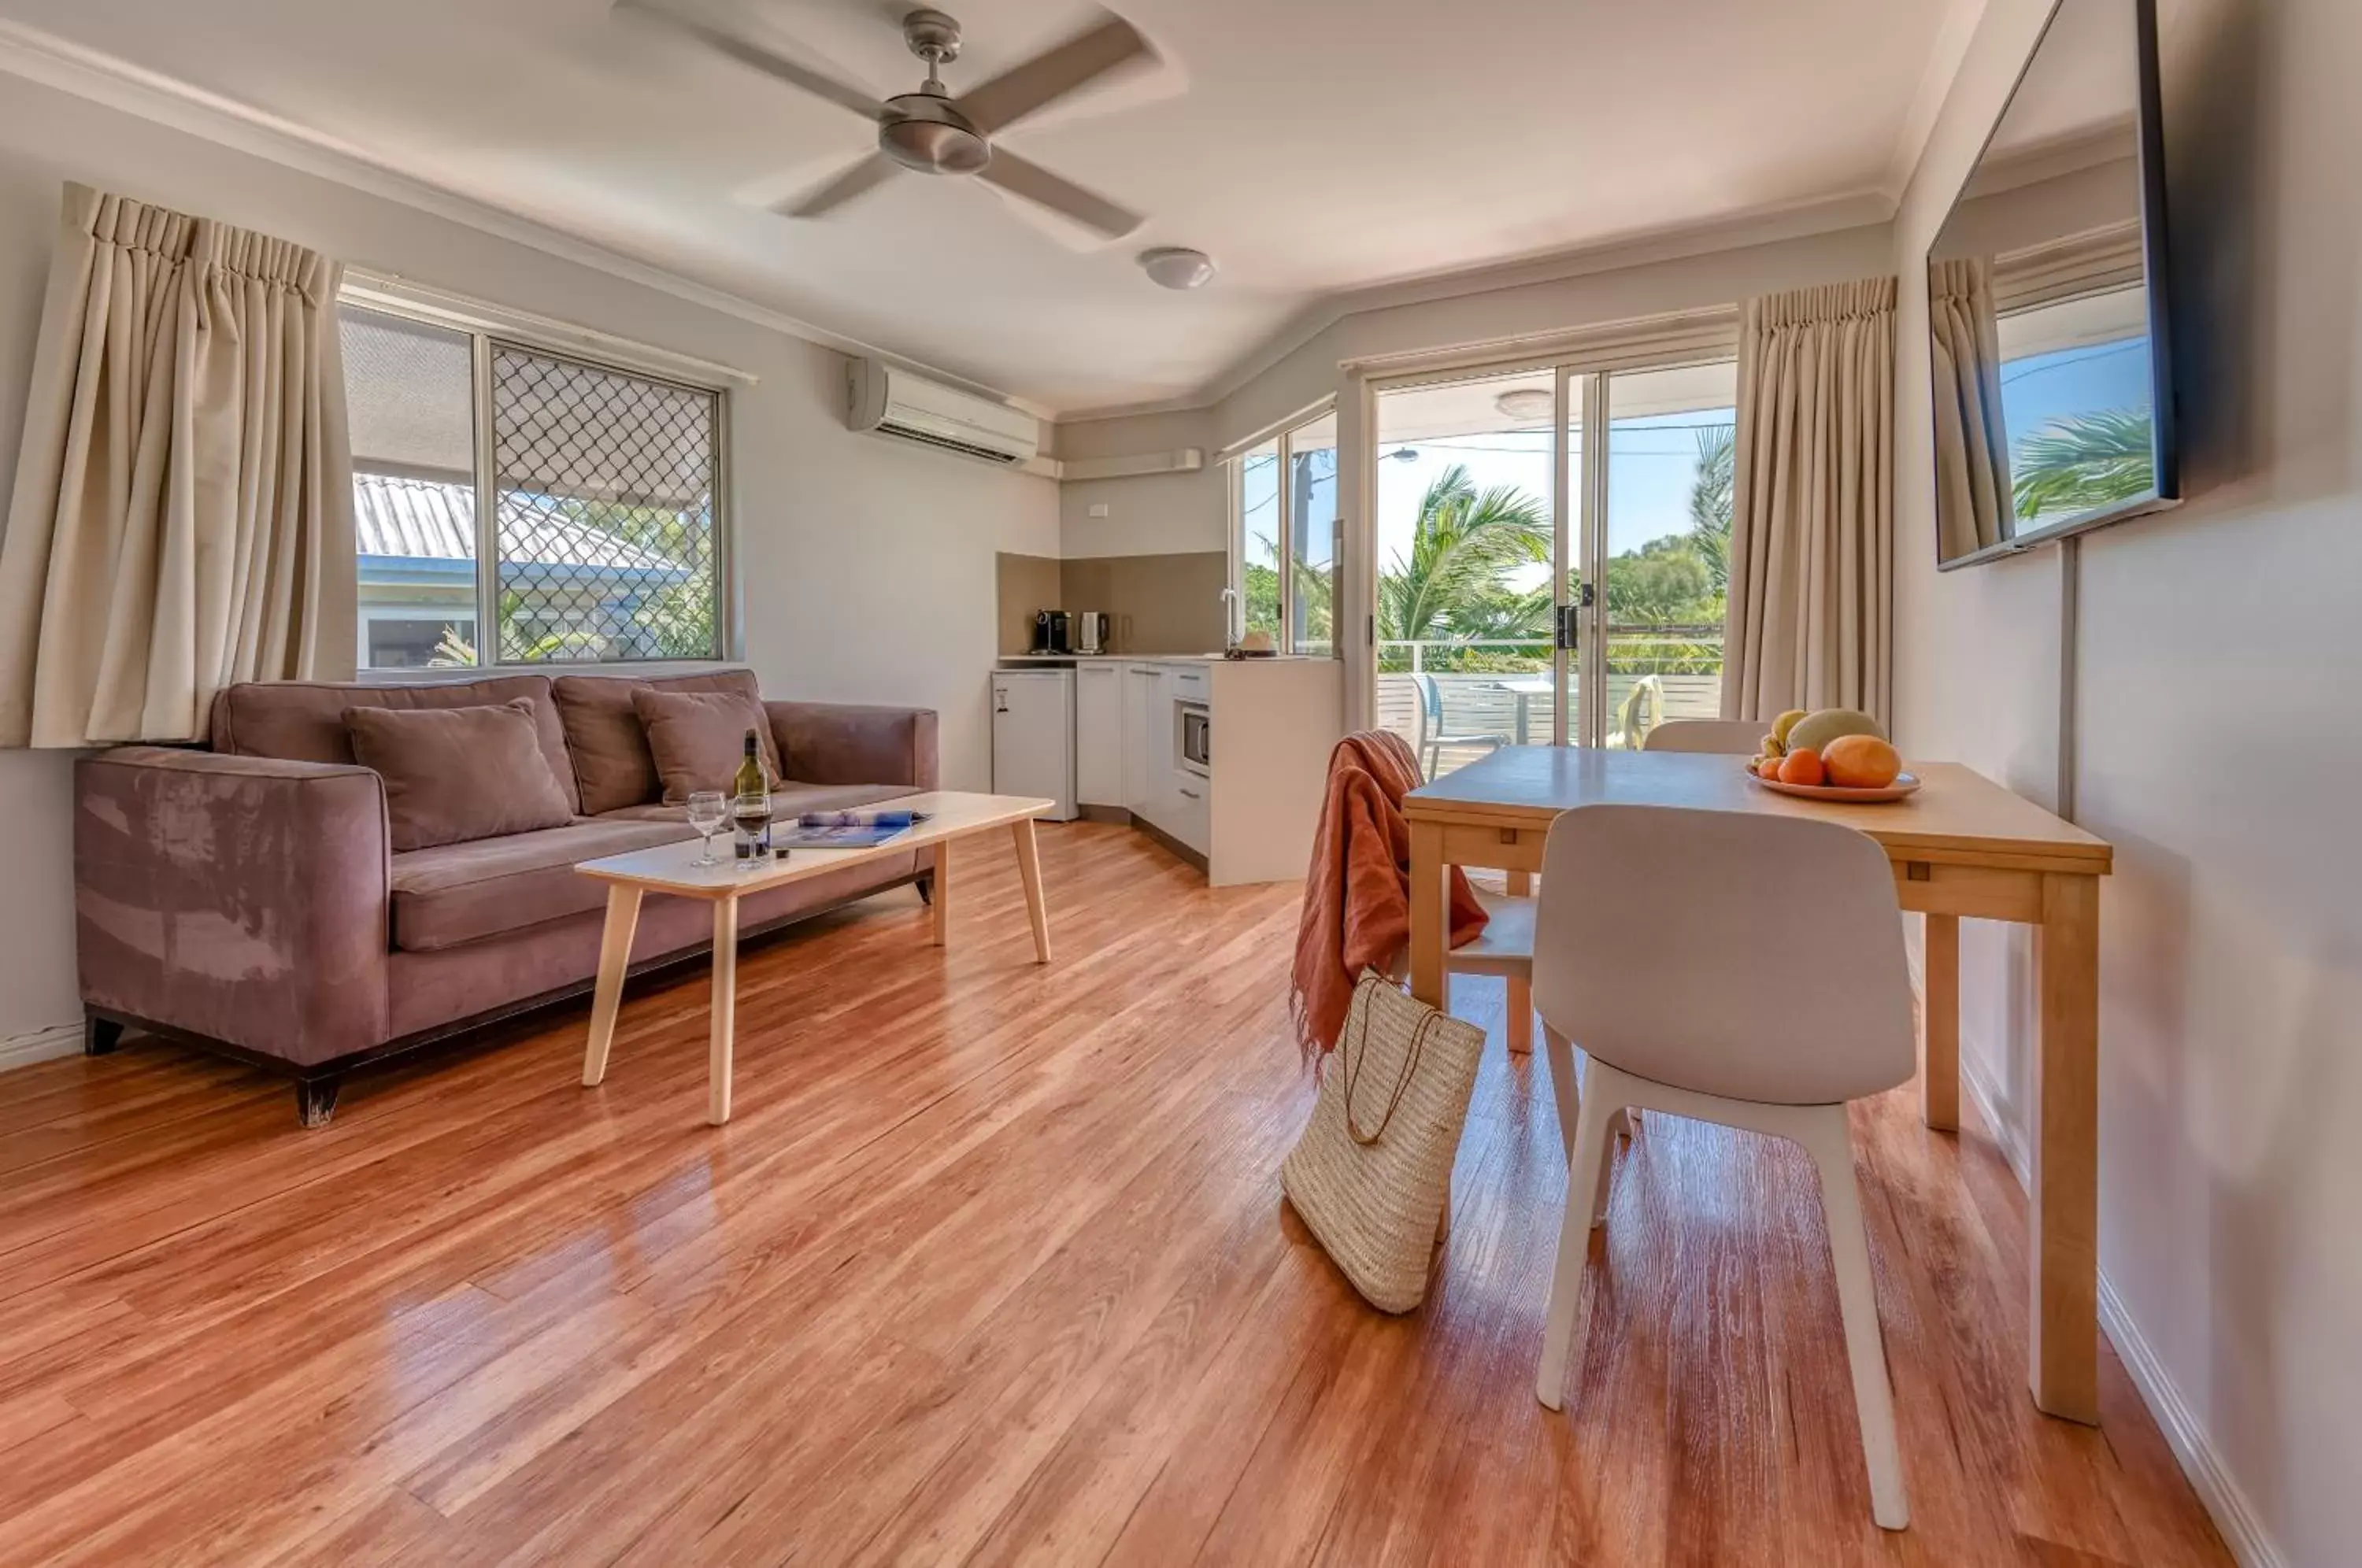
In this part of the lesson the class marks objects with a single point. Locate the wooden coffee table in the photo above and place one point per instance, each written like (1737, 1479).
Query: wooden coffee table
(673, 869)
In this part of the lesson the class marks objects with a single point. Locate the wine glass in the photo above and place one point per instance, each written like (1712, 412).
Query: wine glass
(708, 813)
(752, 811)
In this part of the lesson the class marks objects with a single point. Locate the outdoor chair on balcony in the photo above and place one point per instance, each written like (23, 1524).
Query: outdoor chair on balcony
(1433, 737)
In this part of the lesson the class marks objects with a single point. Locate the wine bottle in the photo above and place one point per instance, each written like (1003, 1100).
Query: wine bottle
(751, 804)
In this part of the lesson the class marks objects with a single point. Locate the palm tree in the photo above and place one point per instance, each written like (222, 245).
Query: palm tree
(2081, 462)
(1461, 544)
(1712, 495)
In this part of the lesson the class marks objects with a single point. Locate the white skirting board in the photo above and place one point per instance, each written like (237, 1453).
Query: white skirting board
(39, 1045)
(2232, 1515)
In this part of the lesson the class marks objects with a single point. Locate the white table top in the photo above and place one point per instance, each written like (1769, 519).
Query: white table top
(673, 869)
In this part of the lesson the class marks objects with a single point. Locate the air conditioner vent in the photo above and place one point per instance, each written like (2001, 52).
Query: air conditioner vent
(891, 401)
(999, 456)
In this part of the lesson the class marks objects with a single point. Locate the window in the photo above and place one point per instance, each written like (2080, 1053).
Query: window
(1283, 501)
(601, 538)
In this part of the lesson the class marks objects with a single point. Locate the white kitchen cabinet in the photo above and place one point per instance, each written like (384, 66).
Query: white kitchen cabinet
(1100, 732)
(1141, 691)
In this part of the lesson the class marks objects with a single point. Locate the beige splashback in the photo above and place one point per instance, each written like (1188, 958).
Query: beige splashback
(1157, 605)
(1026, 583)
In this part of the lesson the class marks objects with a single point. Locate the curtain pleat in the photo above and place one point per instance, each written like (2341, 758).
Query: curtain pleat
(1973, 503)
(182, 512)
(1812, 524)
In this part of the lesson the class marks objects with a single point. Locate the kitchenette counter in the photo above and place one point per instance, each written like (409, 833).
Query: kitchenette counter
(1055, 660)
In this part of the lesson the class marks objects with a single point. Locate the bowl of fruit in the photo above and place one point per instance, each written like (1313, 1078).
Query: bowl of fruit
(1834, 754)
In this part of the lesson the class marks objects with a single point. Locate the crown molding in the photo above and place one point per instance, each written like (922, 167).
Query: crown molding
(103, 79)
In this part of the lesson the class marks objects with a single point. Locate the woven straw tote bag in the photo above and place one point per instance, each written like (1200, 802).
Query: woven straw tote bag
(1373, 1171)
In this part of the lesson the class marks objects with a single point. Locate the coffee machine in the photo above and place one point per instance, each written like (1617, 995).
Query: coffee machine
(1091, 632)
(1052, 631)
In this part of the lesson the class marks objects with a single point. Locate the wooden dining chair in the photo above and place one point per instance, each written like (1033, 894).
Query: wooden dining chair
(1682, 924)
(1723, 737)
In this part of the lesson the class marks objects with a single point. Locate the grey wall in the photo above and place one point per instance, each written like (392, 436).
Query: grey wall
(863, 561)
(2218, 740)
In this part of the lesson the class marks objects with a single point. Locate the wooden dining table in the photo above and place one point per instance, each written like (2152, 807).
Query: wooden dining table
(1962, 847)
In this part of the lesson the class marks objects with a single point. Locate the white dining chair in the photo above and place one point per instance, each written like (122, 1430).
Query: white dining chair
(1724, 737)
(1678, 926)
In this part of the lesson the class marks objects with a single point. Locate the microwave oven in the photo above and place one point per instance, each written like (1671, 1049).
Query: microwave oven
(1193, 740)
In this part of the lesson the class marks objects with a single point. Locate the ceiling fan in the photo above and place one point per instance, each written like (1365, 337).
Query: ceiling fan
(931, 132)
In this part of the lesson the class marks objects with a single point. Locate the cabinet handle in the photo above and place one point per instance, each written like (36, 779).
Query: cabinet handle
(1191, 793)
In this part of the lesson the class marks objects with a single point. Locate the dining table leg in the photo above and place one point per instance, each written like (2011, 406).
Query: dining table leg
(1428, 935)
(2063, 1229)
(1940, 1025)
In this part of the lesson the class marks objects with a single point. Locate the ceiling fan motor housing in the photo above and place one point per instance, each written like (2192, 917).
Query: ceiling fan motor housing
(921, 131)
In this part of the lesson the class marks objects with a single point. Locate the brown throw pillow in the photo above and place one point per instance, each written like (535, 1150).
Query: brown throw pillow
(698, 738)
(456, 774)
(604, 742)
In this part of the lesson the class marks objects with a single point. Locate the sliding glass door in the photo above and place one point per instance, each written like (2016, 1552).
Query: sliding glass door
(1534, 588)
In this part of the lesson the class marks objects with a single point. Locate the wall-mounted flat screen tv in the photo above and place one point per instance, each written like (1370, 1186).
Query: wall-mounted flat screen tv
(2046, 301)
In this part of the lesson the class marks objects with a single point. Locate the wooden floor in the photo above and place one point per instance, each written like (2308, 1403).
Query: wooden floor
(990, 1266)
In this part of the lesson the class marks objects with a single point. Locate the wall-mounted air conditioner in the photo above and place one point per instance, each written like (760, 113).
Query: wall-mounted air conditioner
(894, 402)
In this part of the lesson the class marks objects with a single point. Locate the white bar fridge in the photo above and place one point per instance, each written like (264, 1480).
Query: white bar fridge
(1033, 736)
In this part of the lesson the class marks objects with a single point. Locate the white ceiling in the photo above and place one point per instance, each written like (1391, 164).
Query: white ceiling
(1312, 146)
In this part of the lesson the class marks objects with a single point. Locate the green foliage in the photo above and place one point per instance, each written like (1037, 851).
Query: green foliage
(1463, 543)
(1713, 494)
(2081, 462)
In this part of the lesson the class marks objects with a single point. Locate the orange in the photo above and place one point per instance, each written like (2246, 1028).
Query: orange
(1862, 762)
(1767, 767)
(1803, 767)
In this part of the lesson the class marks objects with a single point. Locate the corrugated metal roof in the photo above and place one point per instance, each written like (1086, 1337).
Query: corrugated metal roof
(419, 519)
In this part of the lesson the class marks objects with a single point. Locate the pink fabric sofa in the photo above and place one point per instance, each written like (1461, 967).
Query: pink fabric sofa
(246, 898)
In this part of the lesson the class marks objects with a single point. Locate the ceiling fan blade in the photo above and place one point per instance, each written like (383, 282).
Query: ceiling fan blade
(756, 56)
(1035, 183)
(857, 177)
(1051, 75)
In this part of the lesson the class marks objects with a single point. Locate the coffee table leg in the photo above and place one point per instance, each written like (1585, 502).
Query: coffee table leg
(1028, 867)
(725, 1011)
(614, 958)
(941, 934)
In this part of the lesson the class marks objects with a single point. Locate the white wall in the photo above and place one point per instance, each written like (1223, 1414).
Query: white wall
(867, 568)
(2219, 736)
(1151, 514)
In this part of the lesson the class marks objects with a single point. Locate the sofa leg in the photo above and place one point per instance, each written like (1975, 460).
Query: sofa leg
(100, 1036)
(926, 885)
(316, 1099)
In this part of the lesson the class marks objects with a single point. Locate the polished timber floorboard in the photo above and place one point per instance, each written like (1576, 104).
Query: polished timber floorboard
(990, 1266)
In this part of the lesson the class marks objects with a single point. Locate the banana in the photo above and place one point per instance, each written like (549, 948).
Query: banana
(1780, 728)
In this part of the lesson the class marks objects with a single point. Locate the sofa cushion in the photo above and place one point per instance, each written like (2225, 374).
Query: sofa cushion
(455, 894)
(304, 721)
(609, 749)
(698, 738)
(787, 801)
(456, 774)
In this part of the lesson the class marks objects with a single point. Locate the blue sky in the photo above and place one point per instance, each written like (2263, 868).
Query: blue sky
(2041, 387)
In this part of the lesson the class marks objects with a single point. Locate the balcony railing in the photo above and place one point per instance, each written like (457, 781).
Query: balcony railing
(1456, 699)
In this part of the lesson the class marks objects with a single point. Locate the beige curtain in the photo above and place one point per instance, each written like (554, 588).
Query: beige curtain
(1813, 517)
(1974, 505)
(182, 511)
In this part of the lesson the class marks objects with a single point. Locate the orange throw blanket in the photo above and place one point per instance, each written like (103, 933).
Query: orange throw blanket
(1357, 893)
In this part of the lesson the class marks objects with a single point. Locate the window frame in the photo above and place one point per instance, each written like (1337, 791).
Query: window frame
(486, 333)
(1281, 438)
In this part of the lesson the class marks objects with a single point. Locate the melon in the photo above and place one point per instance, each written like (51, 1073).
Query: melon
(1862, 762)
(1816, 730)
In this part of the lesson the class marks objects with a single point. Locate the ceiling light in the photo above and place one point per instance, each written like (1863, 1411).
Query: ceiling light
(1404, 455)
(1176, 267)
(1525, 403)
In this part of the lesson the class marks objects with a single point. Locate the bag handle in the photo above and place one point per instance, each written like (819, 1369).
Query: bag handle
(1361, 994)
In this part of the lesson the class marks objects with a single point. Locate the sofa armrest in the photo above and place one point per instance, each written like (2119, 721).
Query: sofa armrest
(841, 743)
(241, 899)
